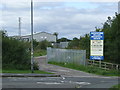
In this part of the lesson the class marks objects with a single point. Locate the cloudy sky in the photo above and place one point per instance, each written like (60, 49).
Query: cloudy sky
(69, 19)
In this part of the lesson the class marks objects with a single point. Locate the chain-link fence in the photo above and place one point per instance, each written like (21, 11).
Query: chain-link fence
(66, 55)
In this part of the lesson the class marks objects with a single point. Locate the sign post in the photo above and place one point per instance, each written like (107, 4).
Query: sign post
(96, 46)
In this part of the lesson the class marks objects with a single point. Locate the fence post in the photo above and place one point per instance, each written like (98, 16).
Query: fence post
(47, 56)
(73, 57)
(116, 67)
(105, 66)
(100, 63)
(112, 66)
(93, 62)
(85, 60)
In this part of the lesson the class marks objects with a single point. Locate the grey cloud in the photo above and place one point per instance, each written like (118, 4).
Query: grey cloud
(55, 17)
(106, 7)
(44, 5)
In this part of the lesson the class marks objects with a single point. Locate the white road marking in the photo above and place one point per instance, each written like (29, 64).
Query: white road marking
(63, 70)
(93, 77)
(63, 78)
(19, 74)
(48, 83)
(9, 77)
(83, 83)
(70, 81)
(62, 81)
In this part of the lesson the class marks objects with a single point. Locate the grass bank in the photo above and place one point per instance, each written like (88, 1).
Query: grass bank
(116, 87)
(25, 71)
(89, 69)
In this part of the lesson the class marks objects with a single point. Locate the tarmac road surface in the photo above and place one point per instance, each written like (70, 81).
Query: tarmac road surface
(69, 79)
(59, 82)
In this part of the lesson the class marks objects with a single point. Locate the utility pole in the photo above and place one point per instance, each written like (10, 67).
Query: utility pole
(19, 32)
(119, 7)
(32, 58)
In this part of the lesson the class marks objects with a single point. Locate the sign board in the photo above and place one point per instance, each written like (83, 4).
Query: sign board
(96, 45)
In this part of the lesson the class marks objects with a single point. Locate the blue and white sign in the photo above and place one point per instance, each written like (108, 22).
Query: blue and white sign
(96, 57)
(96, 45)
(96, 36)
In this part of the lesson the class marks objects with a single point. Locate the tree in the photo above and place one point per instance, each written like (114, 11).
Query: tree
(112, 37)
(63, 40)
(74, 43)
(85, 44)
(56, 34)
(114, 44)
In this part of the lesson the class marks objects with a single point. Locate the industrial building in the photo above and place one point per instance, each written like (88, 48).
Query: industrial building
(39, 37)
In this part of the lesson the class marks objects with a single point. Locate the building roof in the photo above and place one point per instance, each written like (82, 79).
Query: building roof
(38, 33)
(44, 32)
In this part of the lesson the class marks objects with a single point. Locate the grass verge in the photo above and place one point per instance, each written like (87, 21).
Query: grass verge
(116, 87)
(25, 71)
(89, 69)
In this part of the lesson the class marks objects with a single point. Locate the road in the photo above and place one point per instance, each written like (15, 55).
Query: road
(69, 79)
(58, 82)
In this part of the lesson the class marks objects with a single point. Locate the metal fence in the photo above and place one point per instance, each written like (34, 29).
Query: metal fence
(66, 55)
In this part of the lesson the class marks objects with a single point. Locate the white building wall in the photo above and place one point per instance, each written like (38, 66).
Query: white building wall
(40, 37)
(44, 36)
(64, 44)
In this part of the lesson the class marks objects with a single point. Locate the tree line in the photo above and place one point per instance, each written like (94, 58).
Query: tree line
(111, 29)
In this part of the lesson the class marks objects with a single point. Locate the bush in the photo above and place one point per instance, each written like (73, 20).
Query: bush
(35, 66)
(15, 54)
(39, 52)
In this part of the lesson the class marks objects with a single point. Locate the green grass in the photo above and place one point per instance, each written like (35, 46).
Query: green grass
(116, 87)
(40, 52)
(25, 71)
(0, 70)
(89, 69)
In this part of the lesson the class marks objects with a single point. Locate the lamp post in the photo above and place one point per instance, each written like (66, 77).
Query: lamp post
(32, 58)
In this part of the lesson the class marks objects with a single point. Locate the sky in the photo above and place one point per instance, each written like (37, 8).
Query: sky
(69, 19)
